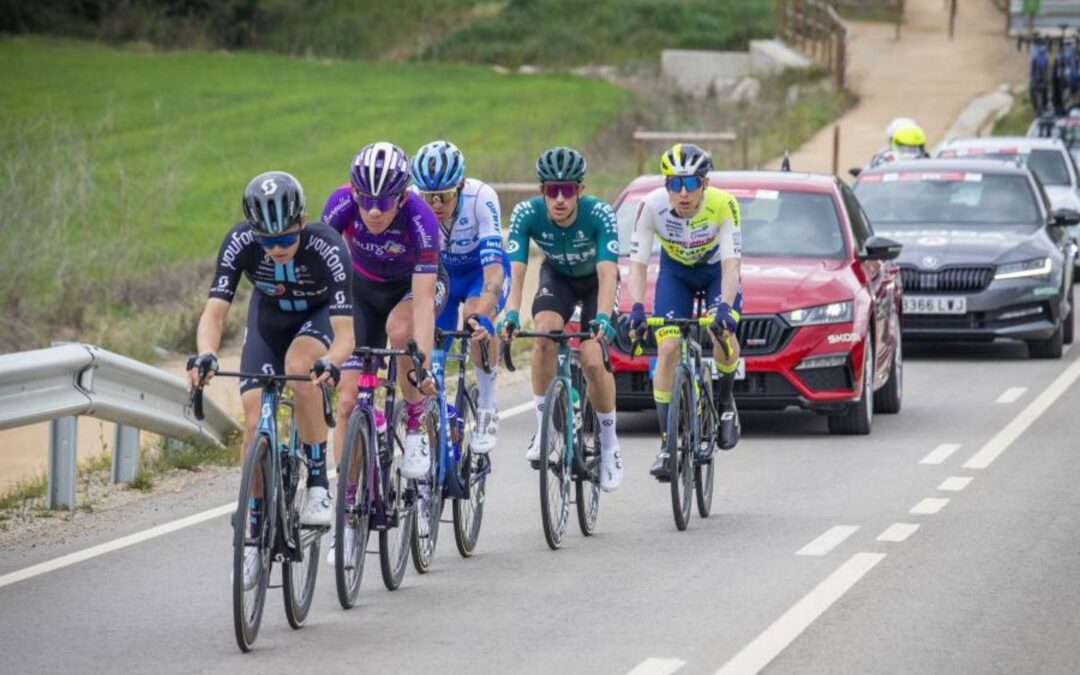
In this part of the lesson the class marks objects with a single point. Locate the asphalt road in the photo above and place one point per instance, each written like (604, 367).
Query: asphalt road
(825, 554)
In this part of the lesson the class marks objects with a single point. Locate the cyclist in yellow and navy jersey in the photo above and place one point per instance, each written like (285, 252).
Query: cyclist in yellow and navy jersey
(701, 245)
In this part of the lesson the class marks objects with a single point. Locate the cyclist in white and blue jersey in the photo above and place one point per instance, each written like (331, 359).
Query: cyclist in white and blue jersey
(474, 258)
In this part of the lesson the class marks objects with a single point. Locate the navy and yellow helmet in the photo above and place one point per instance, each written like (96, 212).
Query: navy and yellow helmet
(685, 159)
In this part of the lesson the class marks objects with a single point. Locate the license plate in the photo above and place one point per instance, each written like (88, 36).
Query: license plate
(706, 362)
(934, 305)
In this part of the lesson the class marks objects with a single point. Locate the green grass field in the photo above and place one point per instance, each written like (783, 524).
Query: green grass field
(119, 167)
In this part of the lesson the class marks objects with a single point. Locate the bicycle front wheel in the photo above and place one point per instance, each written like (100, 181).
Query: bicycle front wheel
(472, 476)
(554, 472)
(429, 501)
(298, 576)
(352, 517)
(705, 461)
(586, 486)
(400, 499)
(680, 447)
(249, 591)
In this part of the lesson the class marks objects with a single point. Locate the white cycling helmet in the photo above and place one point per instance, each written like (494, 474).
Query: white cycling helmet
(896, 124)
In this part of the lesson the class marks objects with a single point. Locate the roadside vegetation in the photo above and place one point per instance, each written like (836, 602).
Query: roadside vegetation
(1017, 120)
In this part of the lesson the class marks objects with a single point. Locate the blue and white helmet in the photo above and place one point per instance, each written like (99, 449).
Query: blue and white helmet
(437, 166)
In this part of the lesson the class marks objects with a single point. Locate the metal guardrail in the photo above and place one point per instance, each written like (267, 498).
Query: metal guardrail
(61, 383)
(1053, 14)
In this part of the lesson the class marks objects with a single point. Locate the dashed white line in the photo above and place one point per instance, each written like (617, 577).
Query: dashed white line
(929, 506)
(656, 666)
(1011, 395)
(828, 541)
(776, 638)
(940, 453)
(898, 532)
(954, 483)
(1004, 438)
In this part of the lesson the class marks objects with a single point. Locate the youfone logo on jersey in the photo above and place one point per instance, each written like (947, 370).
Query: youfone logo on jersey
(237, 242)
(330, 254)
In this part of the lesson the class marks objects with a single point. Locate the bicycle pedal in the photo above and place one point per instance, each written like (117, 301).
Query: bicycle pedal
(535, 464)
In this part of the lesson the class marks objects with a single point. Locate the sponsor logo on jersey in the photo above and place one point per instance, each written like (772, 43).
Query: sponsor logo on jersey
(237, 242)
(512, 246)
(331, 255)
(613, 246)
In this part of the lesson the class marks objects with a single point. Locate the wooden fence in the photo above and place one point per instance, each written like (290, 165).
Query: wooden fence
(814, 28)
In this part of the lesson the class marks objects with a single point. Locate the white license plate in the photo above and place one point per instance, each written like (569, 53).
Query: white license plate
(707, 362)
(924, 304)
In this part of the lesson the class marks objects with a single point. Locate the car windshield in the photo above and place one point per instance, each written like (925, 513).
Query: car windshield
(774, 224)
(948, 198)
(1049, 165)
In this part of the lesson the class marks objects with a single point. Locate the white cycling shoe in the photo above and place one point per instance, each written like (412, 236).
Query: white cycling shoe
(487, 427)
(610, 468)
(252, 565)
(317, 511)
(533, 453)
(416, 462)
(350, 558)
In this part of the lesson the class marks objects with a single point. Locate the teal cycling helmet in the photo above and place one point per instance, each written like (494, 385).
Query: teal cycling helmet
(560, 164)
(438, 166)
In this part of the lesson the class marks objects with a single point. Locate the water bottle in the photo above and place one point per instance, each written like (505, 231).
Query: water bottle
(575, 399)
(380, 432)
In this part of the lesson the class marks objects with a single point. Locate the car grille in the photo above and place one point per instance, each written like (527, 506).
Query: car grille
(758, 336)
(950, 280)
(1013, 315)
(765, 384)
(826, 379)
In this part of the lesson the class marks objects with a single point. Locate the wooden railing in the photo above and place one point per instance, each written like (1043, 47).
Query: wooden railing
(814, 28)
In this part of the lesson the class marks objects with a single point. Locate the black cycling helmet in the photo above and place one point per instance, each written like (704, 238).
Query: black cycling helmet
(561, 164)
(273, 202)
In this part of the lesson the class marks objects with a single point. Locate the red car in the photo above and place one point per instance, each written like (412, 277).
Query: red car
(818, 288)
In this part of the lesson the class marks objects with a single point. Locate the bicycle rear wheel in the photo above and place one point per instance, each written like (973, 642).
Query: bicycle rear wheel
(429, 501)
(298, 576)
(472, 474)
(400, 498)
(352, 516)
(680, 447)
(554, 472)
(704, 462)
(587, 488)
(248, 603)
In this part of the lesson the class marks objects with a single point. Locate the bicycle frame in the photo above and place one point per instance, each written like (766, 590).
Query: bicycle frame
(450, 452)
(367, 382)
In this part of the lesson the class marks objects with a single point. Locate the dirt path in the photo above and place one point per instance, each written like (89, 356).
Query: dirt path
(923, 75)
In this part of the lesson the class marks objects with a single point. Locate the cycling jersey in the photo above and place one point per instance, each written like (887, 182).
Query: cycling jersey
(473, 238)
(317, 275)
(710, 236)
(572, 251)
(409, 246)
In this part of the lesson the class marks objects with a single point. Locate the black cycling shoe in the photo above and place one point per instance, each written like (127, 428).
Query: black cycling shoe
(659, 468)
(730, 428)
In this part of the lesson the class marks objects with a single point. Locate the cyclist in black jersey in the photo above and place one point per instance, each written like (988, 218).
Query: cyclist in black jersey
(299, 318)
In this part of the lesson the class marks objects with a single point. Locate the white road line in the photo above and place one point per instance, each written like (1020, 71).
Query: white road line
(517, 410)
(940, 453)
(655, 666)
(154, 532)
(898, 532)
(1011, 395)
(776, 638)
(1004, 438)
(955, 483)
(929, 506)
(828, 541)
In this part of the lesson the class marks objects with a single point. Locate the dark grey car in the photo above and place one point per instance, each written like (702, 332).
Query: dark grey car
(984, 256)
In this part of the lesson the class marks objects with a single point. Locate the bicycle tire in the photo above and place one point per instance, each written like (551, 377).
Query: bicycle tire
(423, 547)
(704, 463)
(355, 516)
(472, 474)
(246, 620)
(298, 576)
(680, 448)
(586, 487)
(554, 474)
(394, 541)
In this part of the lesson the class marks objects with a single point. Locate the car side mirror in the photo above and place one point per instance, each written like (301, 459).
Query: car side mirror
(881, 248)
(1065, 218)
(855, 171)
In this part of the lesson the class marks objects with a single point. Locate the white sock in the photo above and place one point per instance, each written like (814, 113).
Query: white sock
(538, 401)
(607, 429)
(485, 385)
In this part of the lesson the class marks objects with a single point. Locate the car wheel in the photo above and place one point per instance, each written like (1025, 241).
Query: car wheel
(888, 399)
(1051, 348)
(1070, 329)
(859, 416)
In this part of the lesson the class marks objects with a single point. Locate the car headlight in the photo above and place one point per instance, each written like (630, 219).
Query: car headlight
(836, 312)
(1037, 267)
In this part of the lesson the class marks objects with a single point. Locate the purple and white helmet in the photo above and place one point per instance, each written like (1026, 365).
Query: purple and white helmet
(380, 169)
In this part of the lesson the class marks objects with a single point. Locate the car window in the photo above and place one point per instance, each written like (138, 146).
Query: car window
(948, 198)
(1050, 167)
(860, 226)
(789, 224)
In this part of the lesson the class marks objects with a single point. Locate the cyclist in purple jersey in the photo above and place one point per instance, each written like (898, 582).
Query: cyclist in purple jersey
(393, 238)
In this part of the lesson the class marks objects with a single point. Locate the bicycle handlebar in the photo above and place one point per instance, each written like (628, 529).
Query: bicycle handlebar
(660, 321)
(557, 336)
(195, 400)
(485, 360)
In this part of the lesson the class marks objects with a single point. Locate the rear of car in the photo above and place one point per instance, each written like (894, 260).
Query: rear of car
(984, 255)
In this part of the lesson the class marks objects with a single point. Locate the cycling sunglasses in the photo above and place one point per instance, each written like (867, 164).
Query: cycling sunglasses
(677, 183)
(443, 196)
(384, 203)
(567, 190)
(280, 240)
